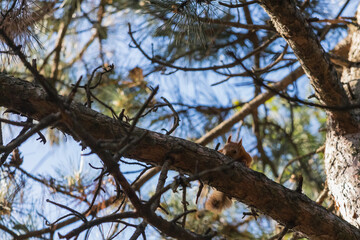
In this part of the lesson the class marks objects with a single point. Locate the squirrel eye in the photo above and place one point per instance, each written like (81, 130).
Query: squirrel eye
(233, 151)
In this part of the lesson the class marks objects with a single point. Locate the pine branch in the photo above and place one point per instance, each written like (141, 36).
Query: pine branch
(252, 188)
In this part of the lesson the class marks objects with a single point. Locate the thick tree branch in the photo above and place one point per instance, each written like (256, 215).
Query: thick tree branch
(293, 27)
(252, 188)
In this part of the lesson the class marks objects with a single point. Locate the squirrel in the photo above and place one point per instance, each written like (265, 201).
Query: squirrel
(218, 201)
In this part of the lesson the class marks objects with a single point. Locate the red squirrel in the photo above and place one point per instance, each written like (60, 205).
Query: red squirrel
(218, 201)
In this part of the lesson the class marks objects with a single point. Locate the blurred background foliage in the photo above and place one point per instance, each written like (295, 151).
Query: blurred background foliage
(183, 47)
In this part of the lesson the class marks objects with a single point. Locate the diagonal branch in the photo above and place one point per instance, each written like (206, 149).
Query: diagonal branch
(252, 188)
(226, 125)
(293, 27)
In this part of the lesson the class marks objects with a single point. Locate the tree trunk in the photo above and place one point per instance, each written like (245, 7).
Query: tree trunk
(286, 206)
(343, 132)
(342, 150)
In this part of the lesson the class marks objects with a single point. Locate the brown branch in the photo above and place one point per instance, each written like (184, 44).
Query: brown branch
(299, 158)
(52, 186)
(81, 53)
(341, 61)
(235, 24)
(74, 212)
(323, 195)
(176, 117)
(215, 67)
(239, 5)
(4, 228)
(15, 123)
(96, 208)
(44, 123)
(183, 215)
(249, 187)
(146, 177)
(59, 41)
(226, 125)
(76, 128)
(98, 221)
(333, 21)
(160, 185)
(294, 28)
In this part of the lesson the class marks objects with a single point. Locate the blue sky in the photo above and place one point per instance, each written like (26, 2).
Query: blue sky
(45, 159)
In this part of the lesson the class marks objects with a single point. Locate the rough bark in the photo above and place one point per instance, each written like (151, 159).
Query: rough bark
(293, 27)
(342, 150)
(343, 134)
(285, 206)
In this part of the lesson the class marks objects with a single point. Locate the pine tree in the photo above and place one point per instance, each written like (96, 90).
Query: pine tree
(117, 78)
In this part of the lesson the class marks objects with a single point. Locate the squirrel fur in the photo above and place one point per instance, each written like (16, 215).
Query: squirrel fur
(218, 201)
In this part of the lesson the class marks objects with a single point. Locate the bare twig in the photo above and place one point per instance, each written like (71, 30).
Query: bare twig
(323, 195)
(176, 117)
(74, 212)
(45, 122)
(239, 5)
(223, 127)
(183, 215)
(98, 221)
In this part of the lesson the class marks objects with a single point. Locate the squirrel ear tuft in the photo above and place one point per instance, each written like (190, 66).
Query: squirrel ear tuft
(229, 139)
(240, 142)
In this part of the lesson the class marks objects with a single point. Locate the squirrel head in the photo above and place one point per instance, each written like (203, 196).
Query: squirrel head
(232, 149)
